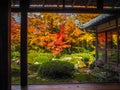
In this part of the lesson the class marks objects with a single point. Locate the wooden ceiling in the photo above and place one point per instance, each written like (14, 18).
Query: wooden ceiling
(55, 5)
(72, 3)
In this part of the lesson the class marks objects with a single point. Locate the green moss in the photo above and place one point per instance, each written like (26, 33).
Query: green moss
(84, 77)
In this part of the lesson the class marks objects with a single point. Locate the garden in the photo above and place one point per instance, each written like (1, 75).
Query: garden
(59, 51)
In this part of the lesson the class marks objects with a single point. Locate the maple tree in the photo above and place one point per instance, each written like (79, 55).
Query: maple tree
(15, 34)
(59, 44)
(54, 32)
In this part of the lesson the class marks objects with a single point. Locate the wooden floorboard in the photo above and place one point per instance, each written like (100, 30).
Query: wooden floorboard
(113, 86)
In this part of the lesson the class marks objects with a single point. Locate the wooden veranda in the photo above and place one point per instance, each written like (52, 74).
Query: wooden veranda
(25, 6)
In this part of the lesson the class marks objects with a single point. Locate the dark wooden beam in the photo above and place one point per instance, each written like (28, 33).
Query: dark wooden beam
(24, 4)
(117, 3)
(69, 10)
(73, 3)
(12, 3)
(63, 4)
(58, 3)
(44, 1)
(5, 32)
(114, 3)
(89, 1)
(100, 4)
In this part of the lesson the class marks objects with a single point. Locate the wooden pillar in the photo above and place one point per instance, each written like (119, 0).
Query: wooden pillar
(117, 28)
(5, 77)
(23, 58)
(106, 57)
(118, 43)
(96, 33)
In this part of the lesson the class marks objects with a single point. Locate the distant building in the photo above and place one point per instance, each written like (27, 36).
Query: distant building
(107, 28)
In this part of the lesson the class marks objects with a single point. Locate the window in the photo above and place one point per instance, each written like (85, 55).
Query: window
(101, 46)
(101, 40)
(112, 40)
(101, 54)
(112, 55)
(112, 45)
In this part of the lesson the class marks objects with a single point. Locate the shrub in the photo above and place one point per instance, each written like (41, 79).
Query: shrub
(36, 56)
(56, 69)
(88, 58)
(82, 60)
(92, 65)
(34, 67)
(86, 61)
(15, 71)
(15, 55)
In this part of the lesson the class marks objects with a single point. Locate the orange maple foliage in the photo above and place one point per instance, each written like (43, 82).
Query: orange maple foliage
(53, 32)
(15, 33)
(58, 45)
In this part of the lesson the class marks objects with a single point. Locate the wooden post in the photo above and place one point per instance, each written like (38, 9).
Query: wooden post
(96, 33)
(24, 4)
(117, 28)
(106, 58)
(5, 65)
(118, 43)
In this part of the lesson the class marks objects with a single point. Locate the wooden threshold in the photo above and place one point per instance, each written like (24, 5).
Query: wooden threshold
(102, 86)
